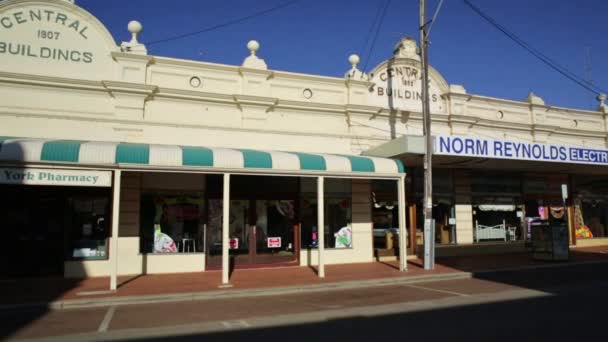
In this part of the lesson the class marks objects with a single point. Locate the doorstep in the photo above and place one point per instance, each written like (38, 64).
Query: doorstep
(481, 248)
(594, 242)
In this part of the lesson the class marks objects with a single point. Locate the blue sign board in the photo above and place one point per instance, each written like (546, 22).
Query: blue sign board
(501, 149)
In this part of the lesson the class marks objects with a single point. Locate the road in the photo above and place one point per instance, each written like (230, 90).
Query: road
(545, 304)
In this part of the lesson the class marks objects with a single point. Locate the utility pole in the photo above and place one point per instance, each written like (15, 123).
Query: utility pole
(427, 201)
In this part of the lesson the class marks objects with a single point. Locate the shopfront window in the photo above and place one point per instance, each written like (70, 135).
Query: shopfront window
(385, 214)
(172, 223)
(590, 203)
(44, 226)
(338, 213)
(89, 227)
(497, 206)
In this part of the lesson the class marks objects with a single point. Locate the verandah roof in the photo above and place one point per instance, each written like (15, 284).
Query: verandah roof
(118, 155)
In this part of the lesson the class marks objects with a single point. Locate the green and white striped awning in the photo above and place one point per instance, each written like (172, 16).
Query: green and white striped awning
(128, 155)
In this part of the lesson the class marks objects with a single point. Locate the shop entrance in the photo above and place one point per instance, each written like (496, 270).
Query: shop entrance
(264, 227)
(262, 232)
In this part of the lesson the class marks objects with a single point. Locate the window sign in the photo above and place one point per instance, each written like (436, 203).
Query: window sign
(274, 242)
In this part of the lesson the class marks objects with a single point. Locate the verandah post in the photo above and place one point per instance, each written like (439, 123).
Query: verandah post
(114, 239)
(321, 225)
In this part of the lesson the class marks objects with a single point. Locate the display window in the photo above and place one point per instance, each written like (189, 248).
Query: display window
(48, 225)
(590, 202)
(385, 214)
(172, 223)
(89, 227)
(337, 211)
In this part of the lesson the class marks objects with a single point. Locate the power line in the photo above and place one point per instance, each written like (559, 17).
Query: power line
(544, 58)
(371, 29)
(228, 23)
(388, 2)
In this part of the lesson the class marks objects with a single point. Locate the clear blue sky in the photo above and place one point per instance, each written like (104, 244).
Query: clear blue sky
(317, 36)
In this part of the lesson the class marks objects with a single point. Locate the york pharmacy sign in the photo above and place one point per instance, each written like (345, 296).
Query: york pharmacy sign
(58, 177)
(503, 149)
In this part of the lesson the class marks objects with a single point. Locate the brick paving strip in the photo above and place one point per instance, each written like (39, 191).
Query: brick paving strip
(294, 318)
(92, 302)
(237, 293)
(289, 308)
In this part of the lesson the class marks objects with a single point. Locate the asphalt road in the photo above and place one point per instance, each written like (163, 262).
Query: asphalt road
(534, 305)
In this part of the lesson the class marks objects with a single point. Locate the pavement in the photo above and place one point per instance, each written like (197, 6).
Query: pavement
(528, 304)
(58, 293)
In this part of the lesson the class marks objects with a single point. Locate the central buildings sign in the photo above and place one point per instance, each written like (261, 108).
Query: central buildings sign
(398, 85)
(54, 38)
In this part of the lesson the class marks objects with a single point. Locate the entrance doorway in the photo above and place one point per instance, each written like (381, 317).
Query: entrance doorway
(261, 232)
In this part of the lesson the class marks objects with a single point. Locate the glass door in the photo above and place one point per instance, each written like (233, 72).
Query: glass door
(261, 232)
(238, 232)
(276, 231)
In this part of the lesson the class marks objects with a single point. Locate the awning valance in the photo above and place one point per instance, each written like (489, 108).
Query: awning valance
(115, 154)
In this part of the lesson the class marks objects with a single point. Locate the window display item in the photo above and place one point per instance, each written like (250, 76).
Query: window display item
(583, 232)
(542, 212)
(87, 229)
(162, 242)
(344, 237)
(557, 212)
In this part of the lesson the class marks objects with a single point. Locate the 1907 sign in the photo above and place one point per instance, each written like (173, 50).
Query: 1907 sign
(49, 24)
(55, 38)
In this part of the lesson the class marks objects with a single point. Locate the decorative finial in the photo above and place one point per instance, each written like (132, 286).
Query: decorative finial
(254, 61)
(535, 99)
(354, 73)
(134, 27)
(407, 48)
(353, 60)
(602, 107)
(253, 46)
(134, 46)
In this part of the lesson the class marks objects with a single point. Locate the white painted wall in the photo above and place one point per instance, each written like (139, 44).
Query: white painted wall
(130, 262)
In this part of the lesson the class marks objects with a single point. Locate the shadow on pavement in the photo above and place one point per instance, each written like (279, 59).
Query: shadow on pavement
(570, 314)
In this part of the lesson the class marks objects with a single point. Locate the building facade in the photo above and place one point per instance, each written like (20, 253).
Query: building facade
(115, 161)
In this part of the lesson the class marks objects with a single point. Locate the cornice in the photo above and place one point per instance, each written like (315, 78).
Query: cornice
(249, 100)
(475, 121)
(50, 81)
(194, 95)
(353, 82)
(310, 106)
(261, 72)
(527, 105)
(524, 127)
(129, 88)
(133, 57)
(160, 61)
(310, 78)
